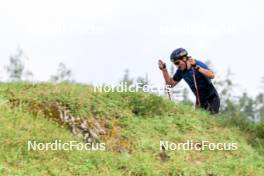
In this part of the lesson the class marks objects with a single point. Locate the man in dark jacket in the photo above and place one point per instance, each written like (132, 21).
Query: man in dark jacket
(197, 75)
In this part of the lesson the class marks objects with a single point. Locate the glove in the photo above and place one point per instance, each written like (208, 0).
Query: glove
(162, 65)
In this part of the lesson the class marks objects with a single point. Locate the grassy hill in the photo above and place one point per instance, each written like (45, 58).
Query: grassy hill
(130, 124)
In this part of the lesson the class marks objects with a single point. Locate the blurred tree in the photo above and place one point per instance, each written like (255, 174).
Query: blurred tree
(16, 66)
(259, 103)
(126, 80)
(63, 74)
(225, 90)
(143, 81)
(247, 105)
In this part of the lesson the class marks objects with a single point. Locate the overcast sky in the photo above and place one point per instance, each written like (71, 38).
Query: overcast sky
(99, 39)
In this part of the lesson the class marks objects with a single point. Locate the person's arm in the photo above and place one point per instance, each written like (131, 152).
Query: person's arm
(168, 79)
(203, 70)
(208, 73)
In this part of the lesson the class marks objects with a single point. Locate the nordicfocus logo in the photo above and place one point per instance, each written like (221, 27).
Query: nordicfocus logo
(71, 145)
(204, 145)
(125, 87)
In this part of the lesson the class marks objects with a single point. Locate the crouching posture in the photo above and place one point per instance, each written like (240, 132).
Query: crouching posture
(197, 75)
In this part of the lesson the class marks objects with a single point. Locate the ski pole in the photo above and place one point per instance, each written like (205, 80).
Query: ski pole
(168, 91)
(196, 87)
(166, 87)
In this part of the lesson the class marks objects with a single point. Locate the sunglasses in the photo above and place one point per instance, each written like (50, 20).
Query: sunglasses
(176, 62)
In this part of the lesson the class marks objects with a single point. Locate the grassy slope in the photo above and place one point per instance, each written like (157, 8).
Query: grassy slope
(135, 121)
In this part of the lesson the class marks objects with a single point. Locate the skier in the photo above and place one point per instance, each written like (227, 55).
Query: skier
(197, 75)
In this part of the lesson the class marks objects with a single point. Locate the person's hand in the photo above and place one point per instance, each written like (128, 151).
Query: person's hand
(162, 65)
(192, 62)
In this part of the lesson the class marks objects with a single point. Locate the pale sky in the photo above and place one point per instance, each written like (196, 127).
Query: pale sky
(99, 39)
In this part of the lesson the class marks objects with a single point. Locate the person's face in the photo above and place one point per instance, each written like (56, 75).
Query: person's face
(180, 64)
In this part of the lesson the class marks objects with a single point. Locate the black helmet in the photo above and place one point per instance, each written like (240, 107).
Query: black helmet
(178, 54)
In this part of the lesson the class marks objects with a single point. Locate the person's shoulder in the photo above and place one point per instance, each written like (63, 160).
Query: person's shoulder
(200, 63)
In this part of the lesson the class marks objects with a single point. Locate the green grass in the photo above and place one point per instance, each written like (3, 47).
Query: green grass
(135, 122)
